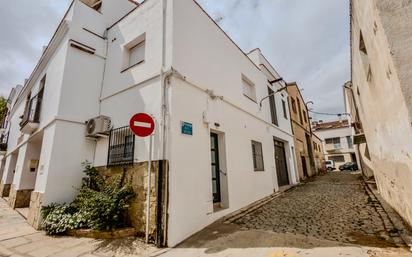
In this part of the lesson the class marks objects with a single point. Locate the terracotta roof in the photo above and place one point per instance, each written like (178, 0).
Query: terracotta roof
(331, 125)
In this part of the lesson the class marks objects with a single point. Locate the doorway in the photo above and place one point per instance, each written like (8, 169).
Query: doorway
(281, 166)
(214, 149)
(304, 167)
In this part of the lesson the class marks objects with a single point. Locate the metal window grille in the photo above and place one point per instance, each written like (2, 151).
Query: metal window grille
(121, 147)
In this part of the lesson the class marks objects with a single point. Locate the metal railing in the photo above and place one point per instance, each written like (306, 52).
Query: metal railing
(32, 111)
(121, 147)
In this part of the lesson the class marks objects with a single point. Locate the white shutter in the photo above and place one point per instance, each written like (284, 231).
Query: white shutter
(137, 54)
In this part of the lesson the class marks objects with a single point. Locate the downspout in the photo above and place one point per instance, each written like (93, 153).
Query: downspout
(105, 38)
(164, 79)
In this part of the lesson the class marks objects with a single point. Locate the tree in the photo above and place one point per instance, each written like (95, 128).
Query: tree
(3, 107)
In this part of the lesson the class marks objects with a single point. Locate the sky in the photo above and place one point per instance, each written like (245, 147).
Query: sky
(307, 41)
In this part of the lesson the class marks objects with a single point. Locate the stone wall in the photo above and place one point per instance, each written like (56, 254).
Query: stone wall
(136, 176)
(19, 198)
(4, 190)
(381, 78)
(36, 202)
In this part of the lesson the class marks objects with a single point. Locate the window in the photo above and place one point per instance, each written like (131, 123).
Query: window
(257, 155)
(350, 142)
(249, 89)
(285, 113)
(337, 158)
(121, 147)
(300, 112)
(294, 105)
(136, 54)
(272, 104)
(305, 116)
(335, 141)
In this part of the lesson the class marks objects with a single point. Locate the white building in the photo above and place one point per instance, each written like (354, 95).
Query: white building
(167, 58)
(337, 140)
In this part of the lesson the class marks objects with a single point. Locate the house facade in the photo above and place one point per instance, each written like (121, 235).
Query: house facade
(318, 153)
(381, 88)
(302, 131)
(220, 142)
(337, 140)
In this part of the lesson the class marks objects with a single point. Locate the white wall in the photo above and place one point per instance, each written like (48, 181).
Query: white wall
(190, 190)
(208, 60)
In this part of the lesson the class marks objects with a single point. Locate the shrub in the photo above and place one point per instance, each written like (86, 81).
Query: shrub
(100, 205)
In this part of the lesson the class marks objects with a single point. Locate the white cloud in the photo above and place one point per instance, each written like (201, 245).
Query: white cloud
(24, 28)
(306, 41)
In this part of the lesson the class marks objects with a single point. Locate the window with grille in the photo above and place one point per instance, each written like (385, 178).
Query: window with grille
(257, 154)
(121, 147)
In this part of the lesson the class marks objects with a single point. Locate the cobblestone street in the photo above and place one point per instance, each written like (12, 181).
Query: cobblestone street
(334, 207)
(331, 215)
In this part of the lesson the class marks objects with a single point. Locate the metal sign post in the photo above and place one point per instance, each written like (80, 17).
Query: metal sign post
(143, 125)
(149, 186)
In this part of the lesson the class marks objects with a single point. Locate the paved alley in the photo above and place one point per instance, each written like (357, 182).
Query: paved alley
(331, 215)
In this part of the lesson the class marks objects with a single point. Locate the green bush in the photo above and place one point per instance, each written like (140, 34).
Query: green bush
(100, 205)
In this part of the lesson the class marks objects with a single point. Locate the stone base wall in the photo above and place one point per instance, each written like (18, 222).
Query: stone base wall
(136, 176)
(4, 190)
(34, 218)
(19, 198)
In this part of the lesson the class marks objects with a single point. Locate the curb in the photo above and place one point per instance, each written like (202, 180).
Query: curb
(396, 222)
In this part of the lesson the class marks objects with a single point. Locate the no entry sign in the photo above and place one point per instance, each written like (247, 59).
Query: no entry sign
(142, 124)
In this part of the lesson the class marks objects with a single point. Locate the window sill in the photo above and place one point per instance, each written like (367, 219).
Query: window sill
(130, 67)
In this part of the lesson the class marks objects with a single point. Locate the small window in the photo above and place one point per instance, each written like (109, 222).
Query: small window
(305, 117)
(257, 155)
(249, 89)
(272, 103)
(285, 113)
(350, 142)
(136, 54)
(294, 105)
(300, 112)
(335, 141)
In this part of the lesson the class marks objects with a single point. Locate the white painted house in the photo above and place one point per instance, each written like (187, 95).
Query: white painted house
(168, 58)
(337, 140)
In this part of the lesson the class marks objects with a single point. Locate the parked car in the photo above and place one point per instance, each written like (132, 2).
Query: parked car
(352, 166)
(330, 165)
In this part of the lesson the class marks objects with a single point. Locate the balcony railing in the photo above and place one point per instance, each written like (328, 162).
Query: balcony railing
(32, 111)
(121, 147)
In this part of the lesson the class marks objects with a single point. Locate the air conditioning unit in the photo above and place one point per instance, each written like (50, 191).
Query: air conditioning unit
(99, 126)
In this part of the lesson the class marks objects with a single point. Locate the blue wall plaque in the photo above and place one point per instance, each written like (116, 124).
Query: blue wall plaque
(187, 128)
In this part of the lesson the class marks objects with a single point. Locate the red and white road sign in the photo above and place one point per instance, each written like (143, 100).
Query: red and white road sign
(142, 124)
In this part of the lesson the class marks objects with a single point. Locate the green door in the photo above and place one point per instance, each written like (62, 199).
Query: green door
(214, 149)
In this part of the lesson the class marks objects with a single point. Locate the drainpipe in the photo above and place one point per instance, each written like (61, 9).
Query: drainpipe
(164, 79)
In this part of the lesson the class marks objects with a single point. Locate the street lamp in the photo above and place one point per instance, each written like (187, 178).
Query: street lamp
(277, 91)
